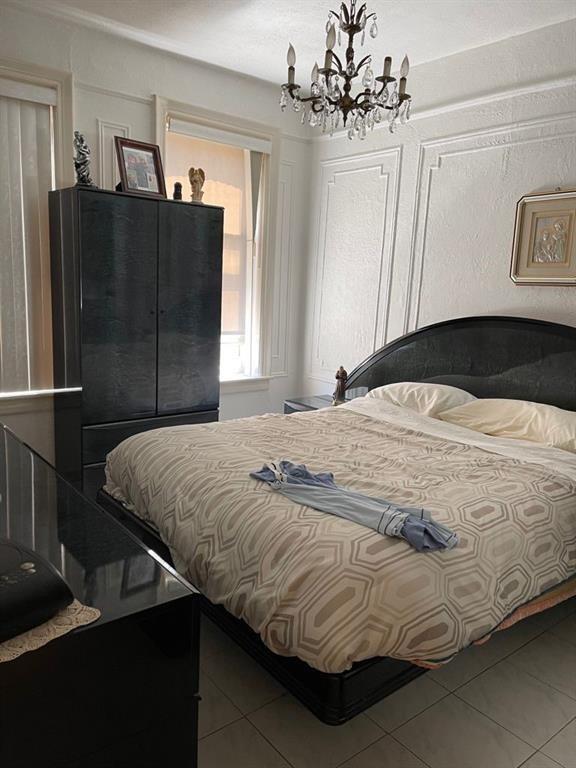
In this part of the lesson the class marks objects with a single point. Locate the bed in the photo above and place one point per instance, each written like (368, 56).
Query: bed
(339, 614)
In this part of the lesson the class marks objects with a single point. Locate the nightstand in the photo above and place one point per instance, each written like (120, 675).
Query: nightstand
(314, 402)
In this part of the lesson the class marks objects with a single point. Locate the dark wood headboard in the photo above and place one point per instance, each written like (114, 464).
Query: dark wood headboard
(511, 357)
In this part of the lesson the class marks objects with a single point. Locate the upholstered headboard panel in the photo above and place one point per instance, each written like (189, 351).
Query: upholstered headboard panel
(510, 357)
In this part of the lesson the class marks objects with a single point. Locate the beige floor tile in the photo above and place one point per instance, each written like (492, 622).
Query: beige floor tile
(308, 743)
(566, 629)
(385, 753)
(539, 760)
(519, 702)
(215, 710)
(241, 678)
(395, 710)
(550, 659)
(562, 747)
(238, 746)
(451, 734)
(474, 660)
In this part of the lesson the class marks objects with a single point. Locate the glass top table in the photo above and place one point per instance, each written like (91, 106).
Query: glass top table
(103, 563)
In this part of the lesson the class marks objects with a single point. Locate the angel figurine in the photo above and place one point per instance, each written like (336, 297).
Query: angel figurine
(197, 178)
(82, 161)
(339, 395)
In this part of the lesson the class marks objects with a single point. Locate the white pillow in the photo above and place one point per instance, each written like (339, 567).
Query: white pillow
(519, 419)
(424, 398)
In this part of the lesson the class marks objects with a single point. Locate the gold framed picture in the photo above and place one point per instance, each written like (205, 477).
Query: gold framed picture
(544, 249)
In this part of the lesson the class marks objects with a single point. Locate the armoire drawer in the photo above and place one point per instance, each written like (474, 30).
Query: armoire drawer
(99, 440)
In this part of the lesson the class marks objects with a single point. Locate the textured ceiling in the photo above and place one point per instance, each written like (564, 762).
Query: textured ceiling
(251, 36)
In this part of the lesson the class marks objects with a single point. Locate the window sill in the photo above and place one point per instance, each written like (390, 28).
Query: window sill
(246, 384)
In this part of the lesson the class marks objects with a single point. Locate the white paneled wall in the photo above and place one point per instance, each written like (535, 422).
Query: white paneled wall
(416, 227)
(358, 208)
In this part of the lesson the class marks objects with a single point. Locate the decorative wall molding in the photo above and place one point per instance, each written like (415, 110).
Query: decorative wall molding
(108, 168)
(381, 180)
(112, 93)
(433, 154)
(284, 257)
(495, 97)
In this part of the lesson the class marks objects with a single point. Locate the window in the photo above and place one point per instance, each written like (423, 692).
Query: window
(236, 170)
(26, 176)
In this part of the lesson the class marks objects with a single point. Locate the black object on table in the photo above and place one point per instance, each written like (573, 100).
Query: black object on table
(121, 692)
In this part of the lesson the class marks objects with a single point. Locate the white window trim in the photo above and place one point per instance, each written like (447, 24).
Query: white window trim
(63, 84)
(168, 109)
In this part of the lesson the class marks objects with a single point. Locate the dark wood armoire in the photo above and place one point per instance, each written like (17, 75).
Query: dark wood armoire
(136, 296)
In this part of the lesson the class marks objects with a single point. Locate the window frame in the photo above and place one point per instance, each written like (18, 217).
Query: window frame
(167, 109)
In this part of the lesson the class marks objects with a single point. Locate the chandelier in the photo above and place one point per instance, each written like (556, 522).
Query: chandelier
(330, 101)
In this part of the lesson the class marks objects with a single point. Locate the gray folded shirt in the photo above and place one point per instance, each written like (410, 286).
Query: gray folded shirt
(320, 492)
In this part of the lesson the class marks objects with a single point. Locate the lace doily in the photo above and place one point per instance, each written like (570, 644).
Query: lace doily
(74, 615)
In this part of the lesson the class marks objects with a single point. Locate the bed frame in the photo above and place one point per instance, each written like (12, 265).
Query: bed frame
(507, 357)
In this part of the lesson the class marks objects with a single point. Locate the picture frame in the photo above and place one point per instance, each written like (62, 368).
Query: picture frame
(140, 167)
(544, 246)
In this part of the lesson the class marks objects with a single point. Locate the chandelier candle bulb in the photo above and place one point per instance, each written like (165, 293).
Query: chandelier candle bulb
(291, 60)
(405, 68)
(330, 43)
(314, 74)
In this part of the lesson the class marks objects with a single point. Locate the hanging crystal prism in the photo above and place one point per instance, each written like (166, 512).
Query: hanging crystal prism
(363, 36)
(377, 115)
(303, 118)
(408, 109)
(374, 29)
(368, 77)
(394, 98)
(283, 100)
(313, 119)
(296, 105)
(351, 132)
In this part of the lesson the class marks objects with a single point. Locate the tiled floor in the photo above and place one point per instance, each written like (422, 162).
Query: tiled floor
(509, 703)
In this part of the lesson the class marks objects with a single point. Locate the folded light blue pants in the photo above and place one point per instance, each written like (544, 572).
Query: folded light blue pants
(320, 492)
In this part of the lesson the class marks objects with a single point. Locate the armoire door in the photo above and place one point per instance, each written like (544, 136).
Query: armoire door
(118, 240)
(189, 301)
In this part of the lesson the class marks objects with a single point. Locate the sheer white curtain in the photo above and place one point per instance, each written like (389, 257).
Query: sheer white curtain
(26, 176)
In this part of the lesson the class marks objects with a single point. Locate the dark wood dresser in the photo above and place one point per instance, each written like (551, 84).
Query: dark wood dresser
(136, 296)
(120, 692)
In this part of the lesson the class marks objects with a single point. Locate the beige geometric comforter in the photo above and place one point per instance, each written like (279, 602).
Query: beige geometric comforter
(326, 589)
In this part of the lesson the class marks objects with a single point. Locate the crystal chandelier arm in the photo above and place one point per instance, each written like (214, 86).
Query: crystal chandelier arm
(337, 60)
(358, 16)
(365, 60)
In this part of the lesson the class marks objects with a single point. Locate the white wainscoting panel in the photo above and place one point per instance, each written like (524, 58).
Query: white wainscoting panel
(354, 258)
(108, 167)
(467, 188)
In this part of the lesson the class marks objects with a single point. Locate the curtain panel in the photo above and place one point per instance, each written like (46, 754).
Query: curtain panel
(26, 177)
